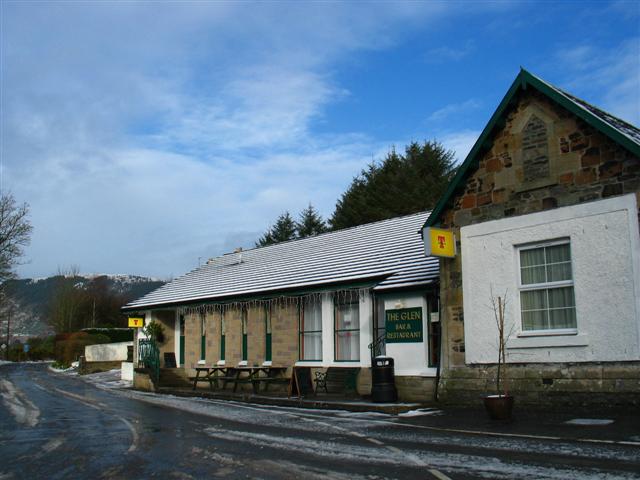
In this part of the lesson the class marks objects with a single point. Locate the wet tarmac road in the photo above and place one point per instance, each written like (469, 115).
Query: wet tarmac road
(57, 426)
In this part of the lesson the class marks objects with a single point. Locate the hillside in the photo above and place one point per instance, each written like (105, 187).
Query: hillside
(29, 300)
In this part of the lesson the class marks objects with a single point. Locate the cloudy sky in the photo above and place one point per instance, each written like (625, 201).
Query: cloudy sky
(145, 136)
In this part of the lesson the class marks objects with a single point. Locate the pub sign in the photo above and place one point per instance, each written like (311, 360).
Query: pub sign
(403, 325)
(439, 242)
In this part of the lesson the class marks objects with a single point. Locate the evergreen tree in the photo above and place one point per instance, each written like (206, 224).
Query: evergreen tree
(400, 185)
(310, 223)
(284, 229)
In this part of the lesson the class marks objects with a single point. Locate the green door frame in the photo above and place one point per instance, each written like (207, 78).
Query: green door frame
(182, 342)
(267, 333)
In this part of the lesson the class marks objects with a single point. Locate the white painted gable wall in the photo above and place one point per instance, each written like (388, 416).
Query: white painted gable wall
(605, 249)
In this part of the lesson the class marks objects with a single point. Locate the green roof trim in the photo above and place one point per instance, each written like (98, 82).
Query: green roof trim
(483, 143)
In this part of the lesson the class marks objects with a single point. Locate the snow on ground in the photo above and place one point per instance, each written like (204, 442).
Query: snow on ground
(420, 412)
(4, 362)
(111, 379)
(589, 421)
(22, 409)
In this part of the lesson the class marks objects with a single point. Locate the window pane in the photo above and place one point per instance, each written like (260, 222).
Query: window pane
(311, 346)
(348, 316)
(532, 275)
(558, 253)
(562, 318)
(534, 320)
(533, 300)
(348, 345)
(558, 272)
(312, 315)
(532, 257)
(561, 297)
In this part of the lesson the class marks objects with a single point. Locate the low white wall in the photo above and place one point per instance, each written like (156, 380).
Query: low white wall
(126, 371)
(107, 352)
(605, 248)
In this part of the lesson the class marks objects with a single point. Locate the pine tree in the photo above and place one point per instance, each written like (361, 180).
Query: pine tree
(310, 223)
(284, 229)
(400, 185)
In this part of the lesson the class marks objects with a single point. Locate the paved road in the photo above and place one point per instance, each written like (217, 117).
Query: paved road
(58, 426)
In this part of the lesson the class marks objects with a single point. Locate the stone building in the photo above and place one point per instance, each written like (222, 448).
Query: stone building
(545, 210)
(316, 302)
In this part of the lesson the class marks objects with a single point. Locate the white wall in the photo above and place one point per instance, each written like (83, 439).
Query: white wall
(107, 352)
(605, 248)
(411, 359)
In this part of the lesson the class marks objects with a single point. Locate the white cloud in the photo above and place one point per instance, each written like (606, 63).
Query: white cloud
(610, 81)
(146, 137)
(453, 109)
(460, 142)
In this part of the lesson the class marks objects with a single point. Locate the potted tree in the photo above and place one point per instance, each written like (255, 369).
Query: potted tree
(500, 405)
(155, 331)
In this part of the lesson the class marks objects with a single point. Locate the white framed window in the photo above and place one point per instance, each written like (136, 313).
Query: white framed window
(310, 328)
(547, 300)
(347, 329)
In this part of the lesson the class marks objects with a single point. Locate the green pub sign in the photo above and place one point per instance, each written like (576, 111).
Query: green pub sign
(404, 325)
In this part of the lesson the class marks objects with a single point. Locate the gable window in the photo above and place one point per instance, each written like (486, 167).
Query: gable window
(311, 330)
(547, 301)
(347, 330)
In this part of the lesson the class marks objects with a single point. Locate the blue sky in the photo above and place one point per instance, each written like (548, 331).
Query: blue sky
(145, 136)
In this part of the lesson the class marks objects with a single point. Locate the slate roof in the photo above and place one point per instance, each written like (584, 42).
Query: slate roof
(615, 128)
(388, 255)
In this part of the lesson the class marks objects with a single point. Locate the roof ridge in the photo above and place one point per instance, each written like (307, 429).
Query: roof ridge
(362, 225)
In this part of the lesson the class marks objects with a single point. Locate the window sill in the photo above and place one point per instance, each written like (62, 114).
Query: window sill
(543, 340)
(548, 333)
(220, 363)
(308, 363)
(201, 362)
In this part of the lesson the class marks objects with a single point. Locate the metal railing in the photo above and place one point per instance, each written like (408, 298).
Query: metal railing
(377, 346)
(149, 357)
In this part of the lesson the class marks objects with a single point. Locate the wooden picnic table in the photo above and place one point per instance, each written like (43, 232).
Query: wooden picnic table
(256, 375)
(210, 373)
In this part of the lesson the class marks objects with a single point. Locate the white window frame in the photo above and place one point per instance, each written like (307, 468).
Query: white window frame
(545, 286)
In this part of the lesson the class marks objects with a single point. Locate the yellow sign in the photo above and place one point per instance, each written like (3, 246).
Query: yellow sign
(439, 243)
(136, 322)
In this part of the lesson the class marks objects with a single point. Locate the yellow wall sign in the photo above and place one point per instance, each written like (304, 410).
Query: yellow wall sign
(136, 322)
(439, 243)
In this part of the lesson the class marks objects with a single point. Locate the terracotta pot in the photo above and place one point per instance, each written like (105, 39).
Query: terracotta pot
(499, 407)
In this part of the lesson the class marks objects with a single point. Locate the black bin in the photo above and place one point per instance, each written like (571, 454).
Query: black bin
(383, 380)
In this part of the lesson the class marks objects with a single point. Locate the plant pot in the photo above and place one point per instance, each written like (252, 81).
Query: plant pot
(499, 407)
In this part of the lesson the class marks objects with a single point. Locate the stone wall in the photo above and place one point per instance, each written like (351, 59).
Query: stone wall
(610, 383)
(543, 158)
(284, 336)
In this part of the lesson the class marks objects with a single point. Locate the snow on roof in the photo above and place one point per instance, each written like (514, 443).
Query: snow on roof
(388, 254)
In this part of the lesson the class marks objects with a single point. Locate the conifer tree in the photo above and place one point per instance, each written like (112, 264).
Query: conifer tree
(284, 229)
(310, 223)
(400, 185)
